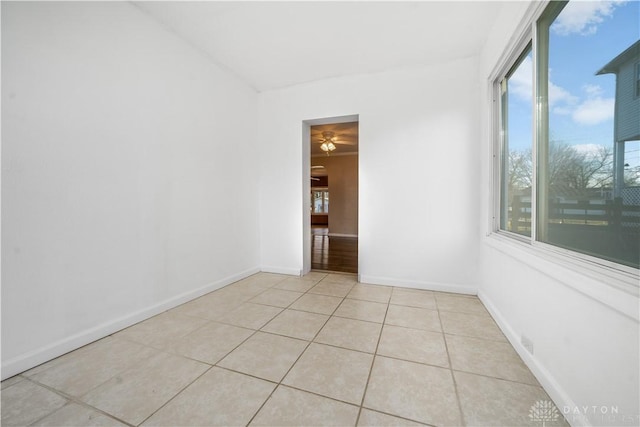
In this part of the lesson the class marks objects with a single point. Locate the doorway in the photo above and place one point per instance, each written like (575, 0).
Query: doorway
(333, 195)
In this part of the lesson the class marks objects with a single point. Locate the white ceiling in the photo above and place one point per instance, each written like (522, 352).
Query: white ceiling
(272, 45)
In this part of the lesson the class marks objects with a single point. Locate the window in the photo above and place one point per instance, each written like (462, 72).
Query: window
(516, 161)
(580, 189)
(320, 201)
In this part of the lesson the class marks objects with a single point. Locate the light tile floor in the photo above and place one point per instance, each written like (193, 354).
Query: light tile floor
(274, 350)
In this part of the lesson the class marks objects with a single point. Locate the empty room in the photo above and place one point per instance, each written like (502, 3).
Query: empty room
(320, 213)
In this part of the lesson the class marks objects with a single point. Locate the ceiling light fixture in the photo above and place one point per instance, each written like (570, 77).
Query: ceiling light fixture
(327, 142)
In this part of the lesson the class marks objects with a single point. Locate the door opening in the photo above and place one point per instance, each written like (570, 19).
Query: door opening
(331, 225)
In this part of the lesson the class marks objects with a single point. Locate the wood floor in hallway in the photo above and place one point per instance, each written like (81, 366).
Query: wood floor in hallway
(332, 253)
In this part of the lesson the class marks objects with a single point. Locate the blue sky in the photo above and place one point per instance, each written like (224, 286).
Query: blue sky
(585, 36)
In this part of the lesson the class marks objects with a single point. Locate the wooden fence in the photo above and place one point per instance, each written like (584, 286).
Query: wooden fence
(611, 214)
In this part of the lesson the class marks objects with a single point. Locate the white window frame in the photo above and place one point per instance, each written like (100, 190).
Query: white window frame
(313, 208)
(608, 273)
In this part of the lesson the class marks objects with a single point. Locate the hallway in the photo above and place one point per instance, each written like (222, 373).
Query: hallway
(333, 253)
(281, 350)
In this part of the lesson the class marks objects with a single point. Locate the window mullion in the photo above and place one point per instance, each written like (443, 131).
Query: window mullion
(539, 202)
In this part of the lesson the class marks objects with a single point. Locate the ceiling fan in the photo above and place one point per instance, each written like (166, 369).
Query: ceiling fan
(327, 142)
(313, 178)
(340, 136)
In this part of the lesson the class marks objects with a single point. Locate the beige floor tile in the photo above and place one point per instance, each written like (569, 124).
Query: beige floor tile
(265, 356)
(411, 390)
(276, 298)
(413, 317)
(267, 280)
(362, 310)
(341, 278)
(464, 304)
(137, 393)
(11, 381)
(414, 345)
(490, 358)
(332, 372)
(350, 333)
(249, 315)
(26, 402)
(375, 293)
(369, 418)
(214, 304)
(161, 330)
(335, 289)
(82, 370)
(296, 324)
(247, 290)
(290, 407)
(210, 343)
(413, 298)
(492, 402)
(314, 303)
(315, 276)
(74, 415)
(470, 325)
(58, 360)
(297, 284)
(228, 298)
(218, 398)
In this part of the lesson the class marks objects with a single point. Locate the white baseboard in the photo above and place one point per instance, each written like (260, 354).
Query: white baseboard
(431, 286)
(281, 270)
(43, 354)
(555, 391)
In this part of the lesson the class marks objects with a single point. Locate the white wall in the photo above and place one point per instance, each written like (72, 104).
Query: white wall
(418, 168)
(584, 330)
(129, 178)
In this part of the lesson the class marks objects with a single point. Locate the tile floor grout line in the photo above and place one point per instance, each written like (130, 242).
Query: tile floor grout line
(207, 370)
(345, 348)
(399, 416)
(453, 377)
(71, 399)
(246, 374)
(353, 318)
(290, 368)
(414, 329)
(175, 395)
(315, 393)
(497, 378)
(477, 337)
(15, 383)
(410, 361)
(245, 327)
(78, 399)
(211, 366)
(373, 360)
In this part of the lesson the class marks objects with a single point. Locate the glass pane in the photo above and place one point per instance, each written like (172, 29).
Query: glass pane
(326, 202)
(589, 164)
(517, 114)
(317, 202)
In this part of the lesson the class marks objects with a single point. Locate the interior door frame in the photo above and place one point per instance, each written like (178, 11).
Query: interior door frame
(306, 183)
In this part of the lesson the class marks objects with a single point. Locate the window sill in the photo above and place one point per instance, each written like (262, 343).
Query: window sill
(617, 288)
